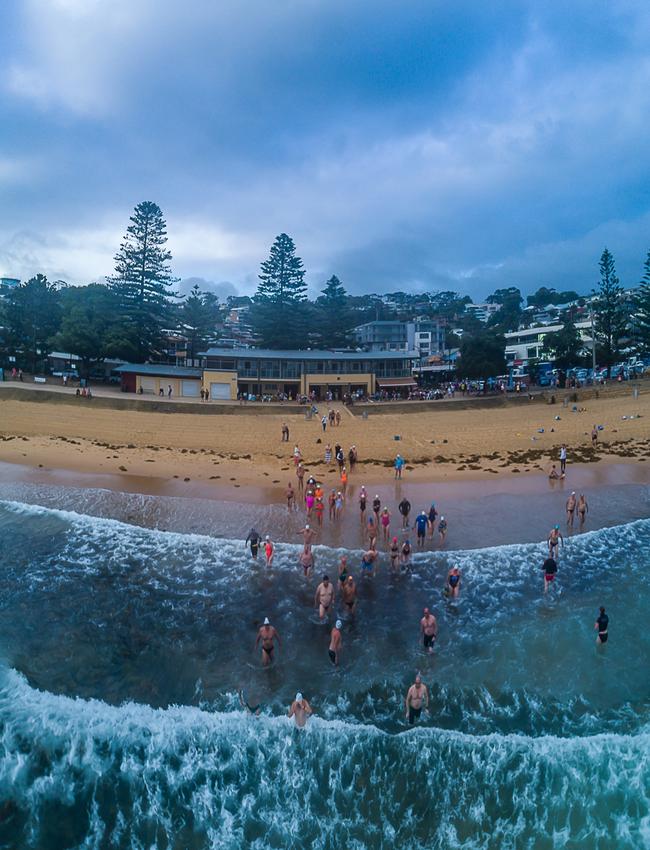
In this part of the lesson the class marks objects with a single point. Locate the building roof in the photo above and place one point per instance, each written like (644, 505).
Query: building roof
(160, 369)
(269, 354)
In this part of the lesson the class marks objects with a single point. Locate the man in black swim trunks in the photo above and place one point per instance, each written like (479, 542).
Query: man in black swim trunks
(429, 629)
(252, 709)
(602, 625)
(267, 634)
(417, 698)
(550, 571)
(336, 641)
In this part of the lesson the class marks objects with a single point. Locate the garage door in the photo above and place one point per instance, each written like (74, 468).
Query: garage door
(190, 389)
(220, 391)
(148, 385)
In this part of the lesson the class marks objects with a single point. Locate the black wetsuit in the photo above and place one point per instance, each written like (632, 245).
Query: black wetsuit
(550, 569)
(603, 623)
(254, 540)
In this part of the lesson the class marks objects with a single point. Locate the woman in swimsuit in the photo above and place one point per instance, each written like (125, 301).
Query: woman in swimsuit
(332, 504)
(363, 498)
(453, 581)
(385, 523)
(309, 501)
(268, 551)
(338, 504)
(394, 554)
(319, 507)
(433, 513)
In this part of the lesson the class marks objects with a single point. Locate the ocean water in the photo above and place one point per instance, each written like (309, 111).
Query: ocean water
(122, 650)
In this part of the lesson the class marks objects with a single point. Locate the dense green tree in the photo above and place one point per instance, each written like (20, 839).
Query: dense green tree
(333, 317)
(482, 355)
(609, 309)
(32, 316)
(199, 315)
(545, 296)
(143, 280)
(90, 325)
(279, 314)
(448, 304)
(565, 346)
(642, 310)
(508, 316)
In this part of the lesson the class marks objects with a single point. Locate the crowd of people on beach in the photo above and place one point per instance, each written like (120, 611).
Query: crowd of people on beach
(376, 521)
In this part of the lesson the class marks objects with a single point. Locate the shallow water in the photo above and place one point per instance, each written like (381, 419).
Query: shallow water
(122, 649)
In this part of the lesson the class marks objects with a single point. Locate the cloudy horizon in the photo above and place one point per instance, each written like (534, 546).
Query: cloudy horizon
(431, 147)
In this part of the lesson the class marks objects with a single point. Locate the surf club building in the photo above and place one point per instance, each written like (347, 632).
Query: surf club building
(254, 371)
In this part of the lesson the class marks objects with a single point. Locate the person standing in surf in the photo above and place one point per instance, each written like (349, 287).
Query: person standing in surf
(420, 526)
(453, 582)
(417, 698)
(429, 629)
(267, 635)
(254, 540)
(349, 595)
(554, 538)
(336, 642)
(550, 571)
(307, 561)
(324, 598)
(602, 626)
(300, 710)
(583, 508)
(268, 550)
(571, 509)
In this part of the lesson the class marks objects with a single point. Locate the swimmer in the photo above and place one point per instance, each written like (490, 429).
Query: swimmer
(267, 634)
(254, 540)
(417, 698)
(368, 562)
(376, 506)
(404, 508)
(252, 709)
(385, 523)
(583, 508)
(300, 710)
(319, 509)
(336, 641)
(442, 529)
(433, 513)
(349, 595)
(602, 626)
(550, 571)
(338, 505)
(291, 497)
(324, 598)
(300, 475)
(429, 629)
(268, 550)
(406, 555)
(343, 569)
(372, 530)
(453, 582)
(571, 509)
(363, 498)
(554, 538)
(421, 527)
(308, 535)
(394, 554)
(331, 501)
(307, 561)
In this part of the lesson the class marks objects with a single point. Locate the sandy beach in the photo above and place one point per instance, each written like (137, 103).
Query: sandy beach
(245, 449)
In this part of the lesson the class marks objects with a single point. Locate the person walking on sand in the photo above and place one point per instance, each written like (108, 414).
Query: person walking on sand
(307, 561)
(349, 595)
(550, 571)
(571, 509)
(399, 465)
(336, 642)
(291, 497)
(331, 501)
(420, 527)
(583, 508)
(297, 456)
(266, 635)
(254, 540)
(417, 698)
(337, 417)
(385, 524)
(594, 436)
(285, 432)
(169, 390)
(554, 538)
(344, 480)
(324, 597)
(300, 710)
(300, 475)
(453, 582)
(323, 423)
(404, 508)
(352, 457)
(338, 505)
(268, 550)
(602, 626)
(328, 455)
(563, 459)
(429, 629)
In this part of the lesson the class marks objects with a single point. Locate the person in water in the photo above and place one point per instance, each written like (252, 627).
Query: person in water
(343, 569)
(442, 529)
(267, 635)
(453, 582)
(571, 509)
(307, 561)
(554, 538)
(252, 709)
(268, 550)
(349, 595)
(394, 554)
(406, 555)
(368, 562)
(583, 508)
(254, 540)
(420, 526)
(324, 597)
(550, 571)
(300, 710)
(602, 626)
(429, 629)
(417, 698)
(336, 642)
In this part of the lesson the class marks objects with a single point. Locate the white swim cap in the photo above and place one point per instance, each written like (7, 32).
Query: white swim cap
(338, 624)
(573, 492)
(442, 517)
(298, 697)
(307, 526)
(267, 622)
(267, 537)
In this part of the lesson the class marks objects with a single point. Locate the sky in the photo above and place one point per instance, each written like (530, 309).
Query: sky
(417, 146)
